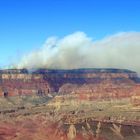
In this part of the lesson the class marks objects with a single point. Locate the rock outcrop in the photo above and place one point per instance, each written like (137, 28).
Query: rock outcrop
(90, 83)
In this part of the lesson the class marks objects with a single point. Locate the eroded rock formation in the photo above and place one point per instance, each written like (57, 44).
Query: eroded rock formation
(90, 83)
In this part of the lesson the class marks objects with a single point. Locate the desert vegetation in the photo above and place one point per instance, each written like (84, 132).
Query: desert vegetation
(43, 118)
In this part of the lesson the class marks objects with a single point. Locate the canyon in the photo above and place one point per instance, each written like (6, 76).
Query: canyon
(77, 104)
(89, 83)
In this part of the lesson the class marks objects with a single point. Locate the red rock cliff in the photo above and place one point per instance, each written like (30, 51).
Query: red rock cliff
(99, 83)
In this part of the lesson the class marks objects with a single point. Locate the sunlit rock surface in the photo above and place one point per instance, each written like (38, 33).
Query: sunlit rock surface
(98, 83)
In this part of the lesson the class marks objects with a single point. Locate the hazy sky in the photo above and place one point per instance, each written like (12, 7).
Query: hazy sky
(26, 24)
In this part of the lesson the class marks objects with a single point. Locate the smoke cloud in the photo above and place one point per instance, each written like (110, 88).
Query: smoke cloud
(77, 50)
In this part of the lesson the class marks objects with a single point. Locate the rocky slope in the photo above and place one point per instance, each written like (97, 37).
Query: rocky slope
(89, 83)
(73, 113)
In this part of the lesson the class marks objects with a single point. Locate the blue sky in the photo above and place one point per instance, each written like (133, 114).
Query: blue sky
(26, 24)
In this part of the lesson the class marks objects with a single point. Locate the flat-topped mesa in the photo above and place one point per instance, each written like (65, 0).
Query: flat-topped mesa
(74, 73)
(88, 73)
(100, 82)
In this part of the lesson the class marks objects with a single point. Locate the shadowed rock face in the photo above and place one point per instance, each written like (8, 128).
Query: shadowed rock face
(100, 83)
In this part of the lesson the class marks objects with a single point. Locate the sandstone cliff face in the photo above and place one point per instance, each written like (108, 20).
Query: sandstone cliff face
(96, 83)
(19, 82)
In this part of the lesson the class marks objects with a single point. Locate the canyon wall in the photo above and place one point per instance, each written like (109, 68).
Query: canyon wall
(88, 83)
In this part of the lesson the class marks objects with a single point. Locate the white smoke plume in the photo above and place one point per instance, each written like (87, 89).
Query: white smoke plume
(77, 50)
